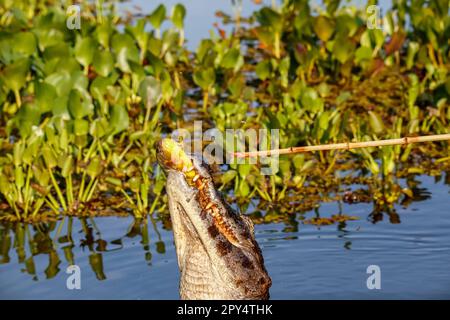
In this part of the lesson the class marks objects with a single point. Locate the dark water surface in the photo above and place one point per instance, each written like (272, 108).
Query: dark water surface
(122, 259)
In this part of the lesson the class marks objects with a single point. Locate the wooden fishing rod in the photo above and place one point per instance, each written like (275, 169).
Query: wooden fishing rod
(344, 146)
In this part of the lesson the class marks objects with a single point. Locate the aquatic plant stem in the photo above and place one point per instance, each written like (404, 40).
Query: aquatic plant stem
(18, 99)
(152, 208)
(69, 190)
(38, 206)
(51, 204)
(277, 45)
(128, 197)
(81, 190)
(58, 190)
(27, 190)
(205, 100)
(344, 146)
(91, 192)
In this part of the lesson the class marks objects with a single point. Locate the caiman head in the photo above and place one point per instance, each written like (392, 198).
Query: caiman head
(218, 256)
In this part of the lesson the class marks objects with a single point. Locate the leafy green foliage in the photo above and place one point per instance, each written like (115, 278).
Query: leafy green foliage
(81, 109)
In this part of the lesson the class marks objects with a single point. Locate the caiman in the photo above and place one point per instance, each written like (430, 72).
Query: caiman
(218, 256)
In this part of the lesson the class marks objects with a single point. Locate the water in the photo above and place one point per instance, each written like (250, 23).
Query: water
(304, 261)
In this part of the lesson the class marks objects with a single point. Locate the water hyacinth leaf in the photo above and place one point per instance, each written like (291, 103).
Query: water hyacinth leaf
(311, 101)
(80, 127)
(99, 127)
(283, 68)
(14, 75)
(122, 60)
(270, 18)
(134, 183)
(236, 85)
(25, 43)
(244, 188)
(140, 35)
(413, 48)
(363, 54)
(49, 157)
(166, 86)
(346, 24)
(80, 81)
(103, 63)
(58, 51)
(150, 90)
(45, 96)
(84, 51)
(343, 49)
(232, 59)
(79, 104)
(169, 39)
(376, 123)
(125, 49)
(324, 28)
(94, 168)
(103, 33)
(178, 14)
(4, 184)
(413, 90)
(332, 6)
(119, 119)
(158, 186)
(285, 167)
(244, 170)
(263, 69)
(157, 17)
(29, 112)
(228, 176)
(62, 81)
(33, 148)
(324, 119)
(60, 107)
(265, 36)
(28, 116)
(19, 177)
(205, 78)
(59, 64)
(48, 37)
(67, 167)
(114, 181)
(157, 65)
(18, 150)
(204, 50)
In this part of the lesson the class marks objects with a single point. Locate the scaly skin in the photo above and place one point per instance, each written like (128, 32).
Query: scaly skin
(218, 256)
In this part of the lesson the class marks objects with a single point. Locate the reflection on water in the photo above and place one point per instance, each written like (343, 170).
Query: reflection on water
(56, 241)
(326, 255)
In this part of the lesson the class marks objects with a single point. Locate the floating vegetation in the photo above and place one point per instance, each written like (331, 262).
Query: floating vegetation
(327, 221)
(81, 109)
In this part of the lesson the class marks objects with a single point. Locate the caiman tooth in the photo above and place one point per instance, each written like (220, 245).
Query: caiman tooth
(209, 205)
(201, 185)
(223, 227)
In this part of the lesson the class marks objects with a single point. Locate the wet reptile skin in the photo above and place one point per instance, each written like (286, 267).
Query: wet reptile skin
(218, 256)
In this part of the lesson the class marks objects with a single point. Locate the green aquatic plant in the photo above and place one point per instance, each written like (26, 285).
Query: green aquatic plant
(81, 109)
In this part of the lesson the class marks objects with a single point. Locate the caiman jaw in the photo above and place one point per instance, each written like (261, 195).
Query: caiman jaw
(209, 233)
